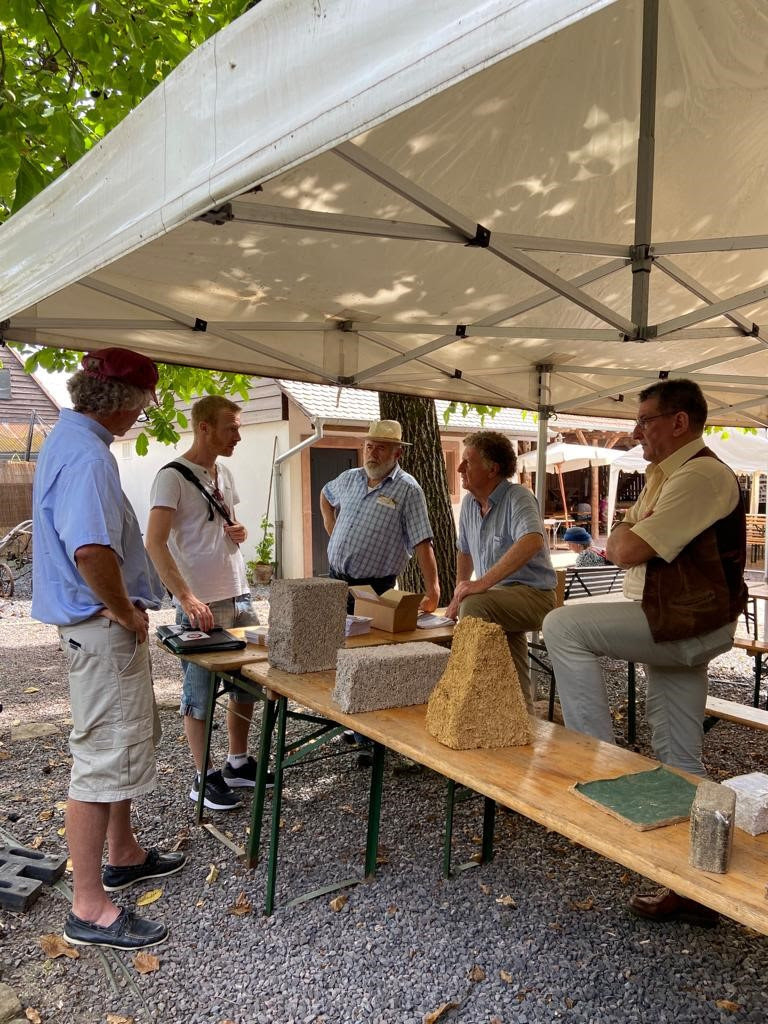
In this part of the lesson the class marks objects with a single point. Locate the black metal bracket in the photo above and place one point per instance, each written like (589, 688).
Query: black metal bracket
(200, 325)
(482, 237)
(218, 215)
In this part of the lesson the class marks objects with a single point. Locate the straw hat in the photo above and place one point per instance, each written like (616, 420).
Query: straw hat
(389, 431)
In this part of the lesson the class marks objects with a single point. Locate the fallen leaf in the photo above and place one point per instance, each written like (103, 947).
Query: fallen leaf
(339, 902)
(506, 976)
(69, 865)
(32, 689)
(476, 839)
(727, 1004)
(297, 826)
(146, 963)
(506, 901)
(435, 1015)
(36, 843)
(31, 1014)
(61, 831)
(55, 945)
(486, 889)
(4, 755)
(115, 1018)
(212, 875)
(347, 809)
(45, 815)
(476, 973)
(382, 858)
(624, 879)
(181, 841)
(569, 1002)
(200, 903)
(586, 904)
(60, 805)
(150, 896)
(241, 906)
(392, 908)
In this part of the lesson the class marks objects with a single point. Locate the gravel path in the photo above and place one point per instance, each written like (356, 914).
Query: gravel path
(540, 934)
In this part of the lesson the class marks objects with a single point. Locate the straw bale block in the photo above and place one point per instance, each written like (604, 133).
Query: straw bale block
(394, 676)
(712, 820)
(751, 801)
(479, 701)
(306, 623)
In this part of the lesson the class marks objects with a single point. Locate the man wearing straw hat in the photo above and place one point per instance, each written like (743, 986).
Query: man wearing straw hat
(376, 518)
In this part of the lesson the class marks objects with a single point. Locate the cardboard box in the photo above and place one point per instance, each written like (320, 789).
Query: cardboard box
(394, 611)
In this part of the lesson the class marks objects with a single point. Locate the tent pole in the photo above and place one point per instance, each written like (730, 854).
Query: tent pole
(543, 372)
(641, 259)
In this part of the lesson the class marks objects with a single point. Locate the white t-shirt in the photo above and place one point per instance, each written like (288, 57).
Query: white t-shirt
(209, 561)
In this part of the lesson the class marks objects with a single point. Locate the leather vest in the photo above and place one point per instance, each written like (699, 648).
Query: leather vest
(703, 588)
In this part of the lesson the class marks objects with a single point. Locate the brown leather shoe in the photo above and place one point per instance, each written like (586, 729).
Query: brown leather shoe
(666, 905)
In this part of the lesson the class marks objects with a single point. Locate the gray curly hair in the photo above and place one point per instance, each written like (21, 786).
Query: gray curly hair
(94, 395)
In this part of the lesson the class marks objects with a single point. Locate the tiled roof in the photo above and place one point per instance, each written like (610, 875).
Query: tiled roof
(355, 406)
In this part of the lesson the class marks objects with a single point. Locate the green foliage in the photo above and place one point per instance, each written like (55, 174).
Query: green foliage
(266, 546)
(481, 410)
(71, 70)
(184, 383)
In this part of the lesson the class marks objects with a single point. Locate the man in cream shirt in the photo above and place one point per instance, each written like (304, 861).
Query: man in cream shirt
(683, 544)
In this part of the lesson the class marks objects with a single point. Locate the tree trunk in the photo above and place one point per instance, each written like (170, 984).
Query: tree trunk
(426, 463)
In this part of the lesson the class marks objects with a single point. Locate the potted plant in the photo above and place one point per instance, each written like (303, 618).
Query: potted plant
(262, 566)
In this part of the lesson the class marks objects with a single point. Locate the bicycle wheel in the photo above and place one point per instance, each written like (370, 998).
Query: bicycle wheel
(6, 580)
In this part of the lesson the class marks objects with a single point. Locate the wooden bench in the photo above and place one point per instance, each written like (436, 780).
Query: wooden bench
(756, 649)
(730, 711)
(533, 780)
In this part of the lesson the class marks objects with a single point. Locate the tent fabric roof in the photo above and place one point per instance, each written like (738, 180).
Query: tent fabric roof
(434, 199)
(744, 453)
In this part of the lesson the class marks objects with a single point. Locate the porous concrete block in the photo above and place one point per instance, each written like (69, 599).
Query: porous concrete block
(713, 815)
(306, 623)
(393, 676)
(751, 801)
(479, 702)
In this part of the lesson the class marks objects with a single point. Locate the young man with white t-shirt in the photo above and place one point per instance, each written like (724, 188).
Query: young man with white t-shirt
(198, 556)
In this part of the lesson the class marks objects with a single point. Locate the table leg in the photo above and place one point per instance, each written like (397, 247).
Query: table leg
(631, 703)
(257, 806)
(277, 799)
(450, 793)
(374, 810)
(489, 824)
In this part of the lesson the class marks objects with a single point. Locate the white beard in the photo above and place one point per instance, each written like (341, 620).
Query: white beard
(377, 471)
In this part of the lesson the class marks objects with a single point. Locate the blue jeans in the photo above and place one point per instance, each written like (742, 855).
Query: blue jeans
(233, 611)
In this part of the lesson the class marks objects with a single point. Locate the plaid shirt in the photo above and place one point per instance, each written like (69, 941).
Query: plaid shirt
(376, 528)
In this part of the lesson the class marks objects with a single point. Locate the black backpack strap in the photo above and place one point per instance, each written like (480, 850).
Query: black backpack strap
(213, 503)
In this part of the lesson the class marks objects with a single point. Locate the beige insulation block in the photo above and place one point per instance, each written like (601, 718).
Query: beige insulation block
(393, 676)
(306, 623)
(478, 701)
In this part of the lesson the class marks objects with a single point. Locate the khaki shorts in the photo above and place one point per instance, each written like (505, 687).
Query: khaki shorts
(115, 720)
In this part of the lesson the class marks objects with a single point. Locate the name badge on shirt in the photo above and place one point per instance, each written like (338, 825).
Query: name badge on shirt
(387, 502)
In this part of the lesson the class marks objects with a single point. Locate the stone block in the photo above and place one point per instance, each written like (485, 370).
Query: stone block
(393, 676)
(751, 801)
(9, 1003)
(712, 820)
(306, 623)
(478, 701)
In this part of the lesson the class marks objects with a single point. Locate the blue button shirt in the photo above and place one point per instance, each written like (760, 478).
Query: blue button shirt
(78, 500)
(376, 529)
(513, 513)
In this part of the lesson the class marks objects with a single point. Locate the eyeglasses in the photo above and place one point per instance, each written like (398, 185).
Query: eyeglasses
(643, 421)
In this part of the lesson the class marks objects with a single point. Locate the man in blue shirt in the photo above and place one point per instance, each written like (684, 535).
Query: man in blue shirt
(376, 518)
(501, 540)
(94, 581)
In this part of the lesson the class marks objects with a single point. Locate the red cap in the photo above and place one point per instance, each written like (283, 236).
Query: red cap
(124, 365)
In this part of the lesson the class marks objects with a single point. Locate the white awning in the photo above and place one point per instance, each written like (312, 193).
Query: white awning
(445, 199)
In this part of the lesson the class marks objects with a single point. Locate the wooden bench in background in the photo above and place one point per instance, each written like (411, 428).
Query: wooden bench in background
(731, 711)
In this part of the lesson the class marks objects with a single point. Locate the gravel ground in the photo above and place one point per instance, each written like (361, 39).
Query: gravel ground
(564, 947)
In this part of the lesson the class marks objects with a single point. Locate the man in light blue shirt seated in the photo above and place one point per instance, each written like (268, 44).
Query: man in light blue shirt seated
(501, 541)
(93, 579)
(376, 518)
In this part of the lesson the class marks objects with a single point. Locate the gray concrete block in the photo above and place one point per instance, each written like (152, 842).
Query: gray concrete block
(9, 1003)
(751, 801)
(713, 816)
(306, 623)
(392, 676)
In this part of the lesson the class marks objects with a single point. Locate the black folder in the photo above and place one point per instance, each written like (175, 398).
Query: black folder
(183, 640)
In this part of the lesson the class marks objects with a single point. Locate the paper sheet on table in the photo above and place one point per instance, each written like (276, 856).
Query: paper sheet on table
(427, 620)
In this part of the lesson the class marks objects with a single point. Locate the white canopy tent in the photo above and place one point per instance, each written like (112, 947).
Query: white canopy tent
(564, 458)
(744, 453)
(537, 203)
